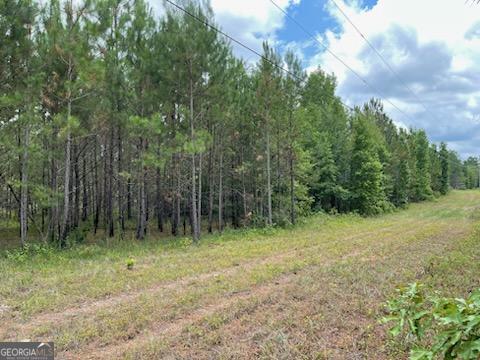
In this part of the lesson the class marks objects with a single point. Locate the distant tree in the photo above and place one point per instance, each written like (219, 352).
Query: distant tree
(292, 88)
(268, 94)
(435, 169)
(422, 186)
(457, 174)
(368, 193)
(402, 172)
(19, 98)
(445, 169)
(326, 132)
(471, 172)
(325, 172)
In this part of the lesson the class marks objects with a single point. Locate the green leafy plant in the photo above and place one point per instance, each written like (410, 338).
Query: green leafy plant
(22, 255)
(438, 327)
(130, 263)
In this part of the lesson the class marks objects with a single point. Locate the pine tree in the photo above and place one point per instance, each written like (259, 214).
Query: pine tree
(402, 177)
(435, 169)
(367, 188)
(422, 188)
(292, 89)
(19, 96)
(324, 180)
(445, 169)
(268, 97)
(457, 174)
(471, 172)
(325, 119)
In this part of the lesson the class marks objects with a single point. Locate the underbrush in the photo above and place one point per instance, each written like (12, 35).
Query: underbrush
(439, 318)
(434, 326)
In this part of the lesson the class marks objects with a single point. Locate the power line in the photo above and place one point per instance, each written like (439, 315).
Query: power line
(379, 54)
(339, 59)
(204, 22)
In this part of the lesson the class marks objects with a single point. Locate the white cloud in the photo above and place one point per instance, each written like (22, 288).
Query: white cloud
(435, 48)
(250, 22)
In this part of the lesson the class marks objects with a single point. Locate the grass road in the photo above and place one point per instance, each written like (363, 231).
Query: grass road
(311, 292)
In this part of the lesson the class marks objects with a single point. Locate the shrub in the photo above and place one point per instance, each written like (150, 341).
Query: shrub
(21, 255)
(77, 236)
(437, 326)
(130, 263)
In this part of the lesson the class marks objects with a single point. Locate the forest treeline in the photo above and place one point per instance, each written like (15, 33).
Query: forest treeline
(113, 120)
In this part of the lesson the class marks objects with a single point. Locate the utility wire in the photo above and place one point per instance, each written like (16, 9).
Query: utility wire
(204, 22)
(339, 59)
(379, 54)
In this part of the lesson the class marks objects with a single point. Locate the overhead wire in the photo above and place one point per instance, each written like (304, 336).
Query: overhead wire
(206, 23)
(382, 58)
(360, 77)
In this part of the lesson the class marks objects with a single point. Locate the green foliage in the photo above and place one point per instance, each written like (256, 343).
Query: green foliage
(367, 171)
(457, 173)
(130, 263)
(471, 170)
(445, 169)
(422, 184)
(437, 326)
(402, 183)
(77, 236)
(24, 254)
(407, 311)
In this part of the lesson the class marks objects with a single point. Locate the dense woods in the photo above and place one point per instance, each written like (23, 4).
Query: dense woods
(115, 122)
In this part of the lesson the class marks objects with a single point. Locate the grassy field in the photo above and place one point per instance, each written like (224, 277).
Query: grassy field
(312, 292)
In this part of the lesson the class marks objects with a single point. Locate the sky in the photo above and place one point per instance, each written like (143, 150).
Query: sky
(432, 48)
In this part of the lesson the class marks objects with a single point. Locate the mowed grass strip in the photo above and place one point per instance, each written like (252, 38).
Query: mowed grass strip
(260, 270)
(56, 281)
(325, 251)
(328, 313)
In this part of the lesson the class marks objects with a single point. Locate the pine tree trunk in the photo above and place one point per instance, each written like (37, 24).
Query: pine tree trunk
(105, 188)
(53, 212)
(85, 190)
(66, 183)
(177, 211)
(199, 221)
(269, 184)
(195, 230)
(244, 191)
(220, 194)
(142, 211)
(24, 188)
(292, 172)
(110, 224)
(211, 189)
(292, 190)
(129, 194)
(76, 191)
(159, 204)
(98, 191)
(120, 197)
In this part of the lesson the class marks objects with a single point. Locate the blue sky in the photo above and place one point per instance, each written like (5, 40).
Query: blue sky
(314, 18)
